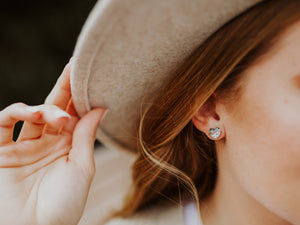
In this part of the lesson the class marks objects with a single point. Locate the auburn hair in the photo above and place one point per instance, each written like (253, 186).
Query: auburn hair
(174, 157)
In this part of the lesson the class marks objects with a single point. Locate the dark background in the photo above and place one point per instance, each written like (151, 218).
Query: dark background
(37, 39)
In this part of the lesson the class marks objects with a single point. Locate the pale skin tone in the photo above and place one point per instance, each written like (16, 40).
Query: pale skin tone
(46, 174)
(258, 150)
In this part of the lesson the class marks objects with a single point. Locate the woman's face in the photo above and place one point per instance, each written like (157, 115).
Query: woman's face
(262, 147)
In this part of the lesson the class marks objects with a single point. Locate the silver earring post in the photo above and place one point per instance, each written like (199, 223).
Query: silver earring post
(214, 132)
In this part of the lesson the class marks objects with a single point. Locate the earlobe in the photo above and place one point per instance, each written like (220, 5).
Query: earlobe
(214, 132)
(208, 120)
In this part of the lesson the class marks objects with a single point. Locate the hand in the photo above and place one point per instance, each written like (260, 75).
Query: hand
(46, 174)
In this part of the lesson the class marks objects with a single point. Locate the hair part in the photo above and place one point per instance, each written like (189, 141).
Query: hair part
(174, 157)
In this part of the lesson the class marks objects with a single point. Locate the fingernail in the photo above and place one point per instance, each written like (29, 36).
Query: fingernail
(104, 114)
(32, 109)
(71, 59)
(60, 114)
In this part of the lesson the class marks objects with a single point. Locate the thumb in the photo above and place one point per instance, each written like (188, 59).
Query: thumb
(84, 134)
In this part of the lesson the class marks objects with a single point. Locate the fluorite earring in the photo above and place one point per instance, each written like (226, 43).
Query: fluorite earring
(214, 132)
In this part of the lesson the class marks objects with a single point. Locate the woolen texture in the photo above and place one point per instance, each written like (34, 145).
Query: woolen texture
(164, 214)
(128, 49)
(110, 185)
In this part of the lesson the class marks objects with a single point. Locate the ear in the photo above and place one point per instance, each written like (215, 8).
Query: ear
(208, 118)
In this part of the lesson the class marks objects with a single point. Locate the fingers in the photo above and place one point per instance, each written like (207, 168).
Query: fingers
(59, 96)
(35, 115)
(54, 118)
(82, 151)
(11, 115)
(39, 151)
(61, 92)
(69, 127)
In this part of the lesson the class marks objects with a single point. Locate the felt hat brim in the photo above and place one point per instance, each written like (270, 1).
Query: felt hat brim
(127, 50)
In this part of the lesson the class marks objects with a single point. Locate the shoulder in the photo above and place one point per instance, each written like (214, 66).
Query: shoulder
(164, 214)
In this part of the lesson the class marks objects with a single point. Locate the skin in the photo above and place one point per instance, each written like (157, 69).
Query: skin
(258, 150)
(46, 174)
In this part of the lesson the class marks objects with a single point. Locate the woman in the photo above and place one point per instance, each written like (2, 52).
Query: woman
(224, 130)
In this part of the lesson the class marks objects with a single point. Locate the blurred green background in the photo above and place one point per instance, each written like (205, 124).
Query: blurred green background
(37, 39)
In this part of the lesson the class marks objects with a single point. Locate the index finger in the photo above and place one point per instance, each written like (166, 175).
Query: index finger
(59, 96)
(61, 92)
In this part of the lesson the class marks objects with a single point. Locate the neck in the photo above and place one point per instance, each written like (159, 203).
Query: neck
(230, 204)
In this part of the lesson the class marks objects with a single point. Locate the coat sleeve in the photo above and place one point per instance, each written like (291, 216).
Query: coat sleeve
(110, 184)
(161, 214)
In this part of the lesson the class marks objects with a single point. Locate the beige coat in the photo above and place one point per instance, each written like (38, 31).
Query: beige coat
(110, 184)
(159, 215)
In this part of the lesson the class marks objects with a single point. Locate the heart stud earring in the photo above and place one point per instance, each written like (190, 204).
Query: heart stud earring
(214, 132)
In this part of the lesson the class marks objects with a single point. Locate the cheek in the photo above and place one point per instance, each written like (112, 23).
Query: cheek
(263, 150)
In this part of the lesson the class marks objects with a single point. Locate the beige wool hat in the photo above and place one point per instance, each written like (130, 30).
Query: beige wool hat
(127, 50)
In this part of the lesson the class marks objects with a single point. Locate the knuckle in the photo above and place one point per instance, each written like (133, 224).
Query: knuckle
(13, 107)
(18, 105)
